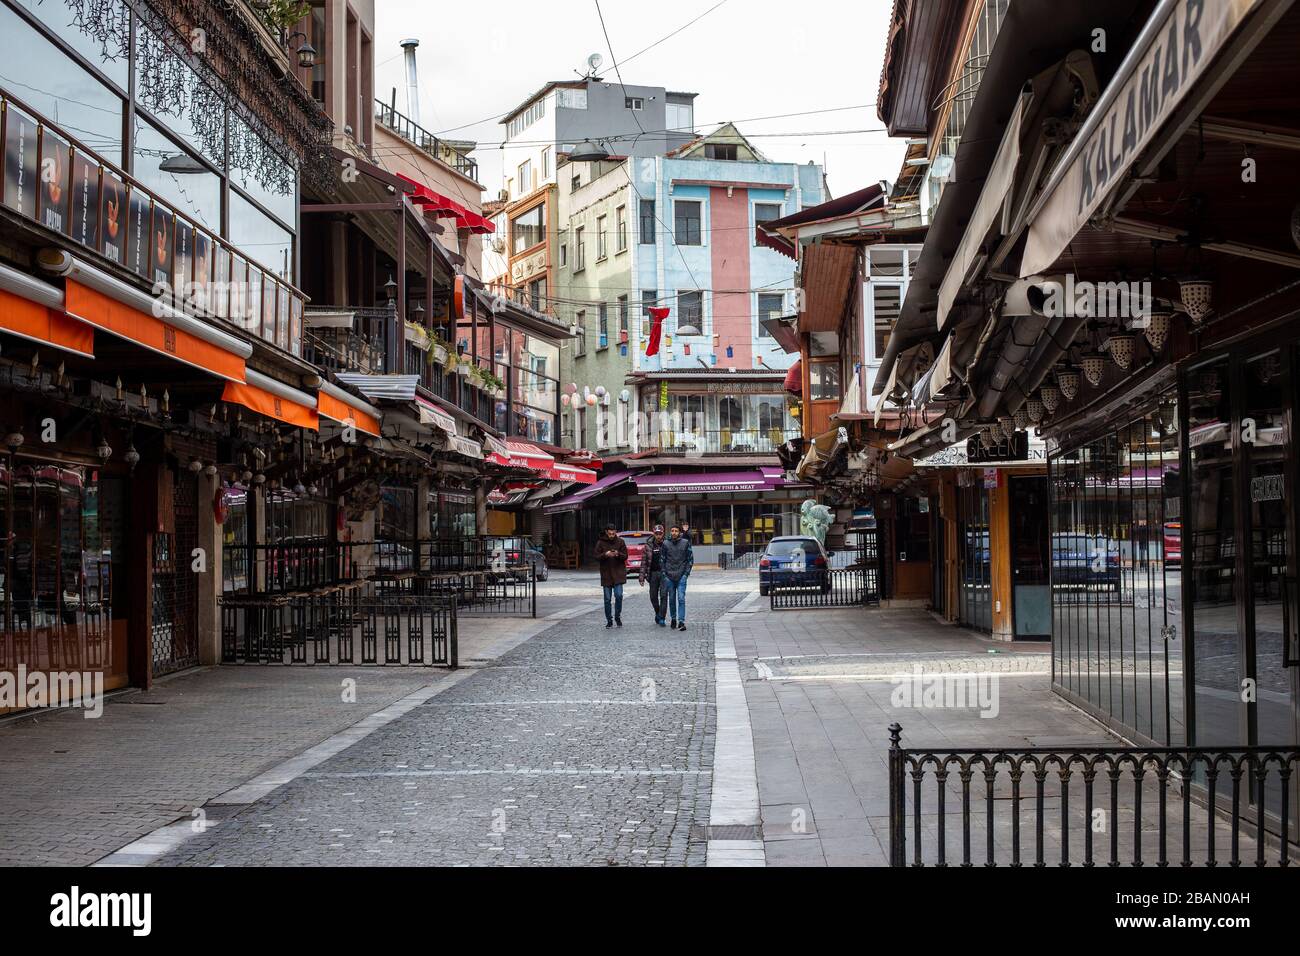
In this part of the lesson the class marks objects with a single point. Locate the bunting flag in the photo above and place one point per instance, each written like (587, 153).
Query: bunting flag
(657, 317)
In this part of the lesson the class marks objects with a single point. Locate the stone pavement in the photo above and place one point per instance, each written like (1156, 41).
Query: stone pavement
(819, 693)
(73, 790)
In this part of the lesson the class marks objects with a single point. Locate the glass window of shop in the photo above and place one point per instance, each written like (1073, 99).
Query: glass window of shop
(34, 70)
(974, 560)
(62, 567)
(236, 536)
(193, 194)
(452, 515)
(395, 528)
(1115, 555)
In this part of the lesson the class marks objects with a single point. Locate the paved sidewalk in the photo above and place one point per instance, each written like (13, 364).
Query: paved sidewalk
(818, 686)
(73, 790)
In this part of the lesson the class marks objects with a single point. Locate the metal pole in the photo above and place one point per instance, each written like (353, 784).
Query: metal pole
(897, 819)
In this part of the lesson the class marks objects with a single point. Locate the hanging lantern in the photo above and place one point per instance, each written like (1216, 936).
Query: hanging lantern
(591, 400)
(564, 400)
(1050, 396)
(1157, 330)
(1094, 367)
(600, 391)
(1008, 425)
(1035, 409)
(1020, 418)
(625, 396)
(1198, 298)
(1068, 380)
(1121, 346)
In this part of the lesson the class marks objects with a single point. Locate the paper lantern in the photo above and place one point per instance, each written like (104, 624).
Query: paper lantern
(591, 401)
(600, 391)
(564, 400)
(625, 396)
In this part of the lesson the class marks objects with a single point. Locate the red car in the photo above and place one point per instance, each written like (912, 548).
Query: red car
(1173, 544)
(636, 542)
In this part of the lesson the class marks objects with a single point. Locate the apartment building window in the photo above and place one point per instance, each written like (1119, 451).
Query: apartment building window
(634, 103)
(679, 117)
(546, 163)
(687, 229)
(537, 295)
(647, 222)
(602, 241)
(623, 318)
(721, 151)
(886, 300)
(824, 377)
(580, 249)
(620, 215)
(526, 176)
(690, 310)
(564, 255)
(529, 229)
(602, 311)
(765, 212)
(770, 305)
(580, 343)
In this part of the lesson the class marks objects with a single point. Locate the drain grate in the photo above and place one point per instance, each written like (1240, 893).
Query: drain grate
(739, 831)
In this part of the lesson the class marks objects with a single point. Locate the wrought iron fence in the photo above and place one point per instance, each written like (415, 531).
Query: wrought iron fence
(483, 574)
(362, 625)
(822, 587)
(287, 567)
(1097, 806)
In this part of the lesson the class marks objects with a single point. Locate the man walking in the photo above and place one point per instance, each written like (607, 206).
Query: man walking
(611, 553)
(652, 570)
(678, 559)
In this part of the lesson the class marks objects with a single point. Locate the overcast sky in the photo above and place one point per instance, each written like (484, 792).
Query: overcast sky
(747, 58)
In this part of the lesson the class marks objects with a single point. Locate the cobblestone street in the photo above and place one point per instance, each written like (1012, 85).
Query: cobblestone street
(581, 746)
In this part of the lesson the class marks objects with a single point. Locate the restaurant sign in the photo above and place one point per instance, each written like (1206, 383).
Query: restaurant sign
(1149, 88)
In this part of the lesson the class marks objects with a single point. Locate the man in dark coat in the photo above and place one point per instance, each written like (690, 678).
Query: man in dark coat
(652, 570)
(678, 559)
(611, 553)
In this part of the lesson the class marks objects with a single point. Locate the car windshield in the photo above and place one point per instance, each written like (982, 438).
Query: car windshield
(783, 547)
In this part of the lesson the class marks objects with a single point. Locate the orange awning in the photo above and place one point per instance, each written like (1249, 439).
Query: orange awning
(152, 333)
(272, 406)
(342, 412)
(39, 323)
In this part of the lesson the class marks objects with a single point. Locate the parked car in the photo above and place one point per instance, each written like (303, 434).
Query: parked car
(520, 553)
(1086, 560)
(794, 561)
(636, 542)
(1173, 544)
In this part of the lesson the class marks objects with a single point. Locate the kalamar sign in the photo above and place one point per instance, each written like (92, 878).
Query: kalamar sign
(1177, 54)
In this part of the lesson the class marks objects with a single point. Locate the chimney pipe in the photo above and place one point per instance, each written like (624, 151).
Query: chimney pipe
(412, 81)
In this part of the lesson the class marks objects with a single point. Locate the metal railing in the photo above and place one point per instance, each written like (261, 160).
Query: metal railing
(822, 587)
(356, 348)
(287, 567)
(1091, 806)
(483, 574)
(420, 137)
(366, 624)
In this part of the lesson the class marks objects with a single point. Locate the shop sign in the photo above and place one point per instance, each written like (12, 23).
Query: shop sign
(1267, 488)
(1157, 80)
(527, 267)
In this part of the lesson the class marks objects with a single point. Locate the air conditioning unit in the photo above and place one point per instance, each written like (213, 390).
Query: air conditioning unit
(503, 196)
(499, 245)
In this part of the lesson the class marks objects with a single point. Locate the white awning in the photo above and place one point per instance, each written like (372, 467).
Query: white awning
(997, 187)
(1130, 112)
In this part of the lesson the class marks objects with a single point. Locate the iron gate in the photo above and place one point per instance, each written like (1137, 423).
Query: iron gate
(174, 632)
(850, 578)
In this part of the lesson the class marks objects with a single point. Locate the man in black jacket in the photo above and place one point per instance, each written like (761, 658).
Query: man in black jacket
(611, 553)
(652, 570)
(678, 560)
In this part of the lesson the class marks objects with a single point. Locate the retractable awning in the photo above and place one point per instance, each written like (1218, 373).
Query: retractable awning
(274, 399)
(576, 500)
(339, 406)
(707, 483)
(443, 207)
(45, 326)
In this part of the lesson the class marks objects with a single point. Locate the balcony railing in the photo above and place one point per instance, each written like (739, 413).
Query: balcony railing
(358, 347)
(420, 137)
(754, 441)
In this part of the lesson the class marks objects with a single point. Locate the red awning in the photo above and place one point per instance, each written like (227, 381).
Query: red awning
(571, 473)
(794, 378)
(523, 455)
(442, 207)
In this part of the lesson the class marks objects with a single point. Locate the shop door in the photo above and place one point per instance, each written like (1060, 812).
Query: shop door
(1030, 583)
(175, 585)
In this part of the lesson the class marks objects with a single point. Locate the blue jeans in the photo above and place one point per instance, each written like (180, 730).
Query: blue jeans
(677, 598)
(616, 592)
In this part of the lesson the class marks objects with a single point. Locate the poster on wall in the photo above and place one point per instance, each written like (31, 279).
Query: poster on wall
(160, 244)
(203, 271)
(219, 299)
(239, 304)
(85, 199)
(268, 308)
(137, 232)
(20, 161)
(253, 301)
(182, 258)
(56, 162)
(112, 219)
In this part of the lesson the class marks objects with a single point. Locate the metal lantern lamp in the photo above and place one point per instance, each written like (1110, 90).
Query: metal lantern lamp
(1094, 367)
(1122, 346)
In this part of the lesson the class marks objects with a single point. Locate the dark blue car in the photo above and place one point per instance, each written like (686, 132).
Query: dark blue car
(795, 561)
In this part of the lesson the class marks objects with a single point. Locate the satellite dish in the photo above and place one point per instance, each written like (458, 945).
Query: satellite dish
(593, 62)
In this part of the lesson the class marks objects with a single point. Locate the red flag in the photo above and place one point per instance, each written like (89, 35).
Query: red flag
(657, 317)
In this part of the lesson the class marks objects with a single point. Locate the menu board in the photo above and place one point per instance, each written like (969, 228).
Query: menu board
(138, 232)
(113, 217)
(160, 244)
(56, 161)
(20, 161)
(85, 199)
